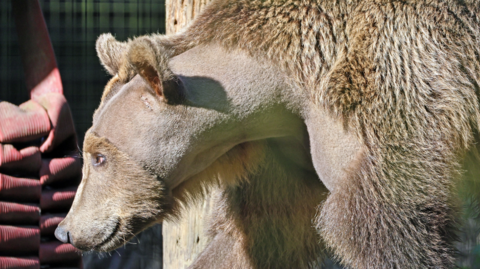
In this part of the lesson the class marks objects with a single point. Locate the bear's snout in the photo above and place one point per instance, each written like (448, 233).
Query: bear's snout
(62, 234)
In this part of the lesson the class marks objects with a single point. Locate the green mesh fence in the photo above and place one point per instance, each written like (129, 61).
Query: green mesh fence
(74, 26)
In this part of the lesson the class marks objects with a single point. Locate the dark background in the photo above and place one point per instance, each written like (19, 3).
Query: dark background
(74, 26)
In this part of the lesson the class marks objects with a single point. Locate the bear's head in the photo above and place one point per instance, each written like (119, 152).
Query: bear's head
(121, 193)
(158, 137)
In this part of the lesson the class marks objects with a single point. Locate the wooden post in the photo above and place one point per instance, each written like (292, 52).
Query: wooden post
(181, 12)
(184, 240)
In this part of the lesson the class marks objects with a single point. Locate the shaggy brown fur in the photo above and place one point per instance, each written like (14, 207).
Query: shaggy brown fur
(402, 76)
(137, 210)
(266, 222)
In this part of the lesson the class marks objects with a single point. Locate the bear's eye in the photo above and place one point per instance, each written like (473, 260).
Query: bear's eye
(98, 159)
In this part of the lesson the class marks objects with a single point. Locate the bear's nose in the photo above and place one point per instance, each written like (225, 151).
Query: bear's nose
(62, 234)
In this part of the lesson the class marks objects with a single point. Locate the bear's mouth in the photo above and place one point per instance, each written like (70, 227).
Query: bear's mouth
(109, 238)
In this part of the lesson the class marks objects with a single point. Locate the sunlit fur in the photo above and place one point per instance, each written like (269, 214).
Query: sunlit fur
(105, 196)
(402, 76)
(136, 199)
(266, 222)
(235, 167)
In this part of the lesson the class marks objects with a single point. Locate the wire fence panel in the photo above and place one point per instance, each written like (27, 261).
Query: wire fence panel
(74, 27)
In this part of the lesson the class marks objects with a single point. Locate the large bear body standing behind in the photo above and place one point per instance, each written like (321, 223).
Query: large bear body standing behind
(400, 77)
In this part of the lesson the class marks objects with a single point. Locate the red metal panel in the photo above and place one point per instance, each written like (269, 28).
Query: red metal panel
(24, 123)
(52, 252)
(13, 213)
(19, 263)
(38, 58)
(48, 223)
(25, 160)
(60, 168)
(55, 200)
(47, 116)
(19, 240)
(19, 189)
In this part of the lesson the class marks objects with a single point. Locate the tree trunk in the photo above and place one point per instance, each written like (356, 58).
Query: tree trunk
(185, 239)
(181, 12)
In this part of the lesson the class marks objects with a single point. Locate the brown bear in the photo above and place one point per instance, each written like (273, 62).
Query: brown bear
(354, 115)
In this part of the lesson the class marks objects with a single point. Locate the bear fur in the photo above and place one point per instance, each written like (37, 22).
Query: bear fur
(404, 76)
(400, 76)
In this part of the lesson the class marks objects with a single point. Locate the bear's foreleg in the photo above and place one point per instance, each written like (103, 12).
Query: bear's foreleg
(266, 222)
(365, 230)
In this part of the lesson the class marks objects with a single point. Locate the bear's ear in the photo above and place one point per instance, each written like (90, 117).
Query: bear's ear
(110, 51)
(151, 63)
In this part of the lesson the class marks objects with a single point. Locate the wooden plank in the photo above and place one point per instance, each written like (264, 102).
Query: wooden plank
(185, 239)
(179, 13)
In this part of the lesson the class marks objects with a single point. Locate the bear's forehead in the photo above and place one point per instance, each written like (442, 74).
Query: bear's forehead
(94, 142)
(120, 99)
(121, 116)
